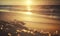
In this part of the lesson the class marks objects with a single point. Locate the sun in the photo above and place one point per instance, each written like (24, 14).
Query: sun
(28, 2)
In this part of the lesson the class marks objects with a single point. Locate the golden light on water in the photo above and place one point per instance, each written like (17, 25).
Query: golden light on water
(28, 13)
(29, 8)
(28, 4)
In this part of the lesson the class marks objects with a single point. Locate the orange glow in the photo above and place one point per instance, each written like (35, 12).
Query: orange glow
(28, 2)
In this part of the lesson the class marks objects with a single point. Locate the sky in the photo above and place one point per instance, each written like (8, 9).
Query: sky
(33, 2)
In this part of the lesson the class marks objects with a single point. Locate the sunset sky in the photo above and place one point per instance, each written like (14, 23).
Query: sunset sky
(33, 2)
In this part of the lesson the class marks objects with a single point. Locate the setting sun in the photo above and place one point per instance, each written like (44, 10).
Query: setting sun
(28, 2)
